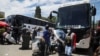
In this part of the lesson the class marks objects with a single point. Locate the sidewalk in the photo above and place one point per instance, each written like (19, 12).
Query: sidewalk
(13, 50)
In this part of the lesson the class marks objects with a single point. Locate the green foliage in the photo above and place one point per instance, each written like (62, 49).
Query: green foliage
(53, 19)
(2, 30)
(1, 16)
(44, 18)
(38, 15)
(38, 12)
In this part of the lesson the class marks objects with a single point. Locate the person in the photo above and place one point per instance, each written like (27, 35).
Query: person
(39, 30)
(15, 34)
(41, 46)
(70, 42)
(53, 43)
(46, 37)
(34, 33)
(60, 37)
(7, 31)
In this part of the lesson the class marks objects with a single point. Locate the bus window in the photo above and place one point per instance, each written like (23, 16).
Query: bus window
(24, 25)
(38, 22)
(34, 21)
(42, 23)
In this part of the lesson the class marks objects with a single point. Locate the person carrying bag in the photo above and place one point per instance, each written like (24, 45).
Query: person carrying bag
(70, 42)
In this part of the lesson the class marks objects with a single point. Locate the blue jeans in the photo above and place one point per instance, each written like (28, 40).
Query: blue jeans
(68, 50)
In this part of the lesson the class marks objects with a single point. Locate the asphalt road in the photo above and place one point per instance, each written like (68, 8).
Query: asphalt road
(13, 50)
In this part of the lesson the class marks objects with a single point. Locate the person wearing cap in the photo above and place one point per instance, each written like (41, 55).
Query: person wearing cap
(70, 42)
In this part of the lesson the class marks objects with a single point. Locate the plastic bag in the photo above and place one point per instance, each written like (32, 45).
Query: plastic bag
(21, 40)
(10, 39)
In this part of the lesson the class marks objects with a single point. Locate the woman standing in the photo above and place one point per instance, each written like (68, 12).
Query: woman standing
(70, 42)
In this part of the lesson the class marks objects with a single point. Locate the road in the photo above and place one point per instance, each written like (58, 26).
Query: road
(13, 50)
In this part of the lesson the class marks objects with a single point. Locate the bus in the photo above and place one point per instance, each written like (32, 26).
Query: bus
(78, 16)
(20, 20)
(17, 22)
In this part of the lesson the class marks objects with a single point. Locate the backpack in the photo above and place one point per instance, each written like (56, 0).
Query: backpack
(68, 40)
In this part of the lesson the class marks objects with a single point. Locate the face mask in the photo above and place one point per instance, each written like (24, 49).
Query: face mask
(68, 31)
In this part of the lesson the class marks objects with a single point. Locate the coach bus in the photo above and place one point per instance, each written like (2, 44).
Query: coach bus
(19, 20)
(78, 16)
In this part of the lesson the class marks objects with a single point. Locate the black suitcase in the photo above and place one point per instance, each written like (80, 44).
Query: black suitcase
(26, 40)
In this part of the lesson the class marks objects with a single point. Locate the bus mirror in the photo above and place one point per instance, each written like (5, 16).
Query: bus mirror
(93, 10)
(50, 16)
(55, 12)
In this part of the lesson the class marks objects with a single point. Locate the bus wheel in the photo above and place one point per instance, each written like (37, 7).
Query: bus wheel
(96, 53)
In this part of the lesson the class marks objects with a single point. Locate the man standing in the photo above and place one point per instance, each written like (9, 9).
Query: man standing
(15, 34)
(46, 36)
(70, 42)
(34, 33)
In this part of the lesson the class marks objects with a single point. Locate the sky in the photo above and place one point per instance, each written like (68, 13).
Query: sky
(27, 7)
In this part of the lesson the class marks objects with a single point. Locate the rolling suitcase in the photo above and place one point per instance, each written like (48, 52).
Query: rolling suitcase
(26, 40)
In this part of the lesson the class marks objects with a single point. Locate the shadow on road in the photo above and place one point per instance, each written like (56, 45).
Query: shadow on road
(25, 48)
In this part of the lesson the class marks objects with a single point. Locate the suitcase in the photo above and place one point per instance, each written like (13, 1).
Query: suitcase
(26, 41)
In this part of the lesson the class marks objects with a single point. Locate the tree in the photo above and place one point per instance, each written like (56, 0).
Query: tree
(53, 19)
(44, 18)
(38, 12)
(1, 15)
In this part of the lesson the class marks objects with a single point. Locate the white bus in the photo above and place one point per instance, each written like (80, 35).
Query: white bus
(78, 16)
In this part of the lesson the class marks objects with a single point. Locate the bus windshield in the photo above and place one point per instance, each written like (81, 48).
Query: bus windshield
(74, 15)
